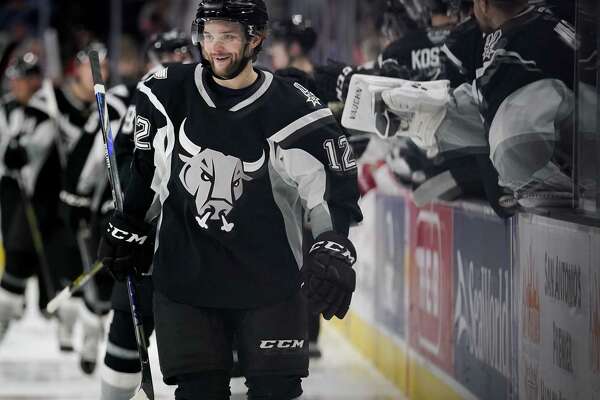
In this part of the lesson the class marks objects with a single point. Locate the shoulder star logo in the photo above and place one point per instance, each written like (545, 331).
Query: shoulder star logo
(310, 96)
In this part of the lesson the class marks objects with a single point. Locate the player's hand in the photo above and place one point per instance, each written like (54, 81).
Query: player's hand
(329, 279)
(15, 156)
(126, 247)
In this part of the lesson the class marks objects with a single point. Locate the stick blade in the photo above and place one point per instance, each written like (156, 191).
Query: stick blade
(57, 301)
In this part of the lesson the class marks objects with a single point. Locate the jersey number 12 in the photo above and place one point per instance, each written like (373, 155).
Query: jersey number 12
(348, 162)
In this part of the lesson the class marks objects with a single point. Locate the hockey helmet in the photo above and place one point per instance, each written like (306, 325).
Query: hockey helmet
(172, 41)
(396, 21)
(24, 66)
(252, 14)
(421, 11)
(295, 29)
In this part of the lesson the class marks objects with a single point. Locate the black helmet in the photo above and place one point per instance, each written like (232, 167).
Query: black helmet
(420, 11)
(26, 65)
(395, 21)
(170, 41)
(296, 28)
(250, 13)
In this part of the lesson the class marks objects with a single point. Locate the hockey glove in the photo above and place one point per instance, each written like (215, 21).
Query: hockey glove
(15, 156)
(329, 279)
(126, 247)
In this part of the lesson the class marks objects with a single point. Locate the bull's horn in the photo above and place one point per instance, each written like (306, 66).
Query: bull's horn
(251, 167)
(186, 143)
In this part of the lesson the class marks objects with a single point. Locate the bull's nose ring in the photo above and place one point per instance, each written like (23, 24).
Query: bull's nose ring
(202, 221)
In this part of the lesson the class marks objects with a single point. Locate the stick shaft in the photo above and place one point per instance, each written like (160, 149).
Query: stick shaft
(113, 175)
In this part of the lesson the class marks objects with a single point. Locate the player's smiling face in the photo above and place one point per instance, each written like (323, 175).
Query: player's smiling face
(223, 45)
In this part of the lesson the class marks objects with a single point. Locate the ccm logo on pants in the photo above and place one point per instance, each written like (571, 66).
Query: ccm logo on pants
(281, 344)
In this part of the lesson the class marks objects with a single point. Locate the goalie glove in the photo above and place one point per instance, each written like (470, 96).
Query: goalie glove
(126, 247)
(413, 109)
(329, 279)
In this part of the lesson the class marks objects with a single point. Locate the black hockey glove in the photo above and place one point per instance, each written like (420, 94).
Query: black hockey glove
(15, 156)
(329, 279)
(126, 247)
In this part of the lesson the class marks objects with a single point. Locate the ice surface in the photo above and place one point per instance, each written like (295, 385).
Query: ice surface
(32, 367)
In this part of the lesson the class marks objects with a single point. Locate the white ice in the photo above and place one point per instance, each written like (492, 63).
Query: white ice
(32, 367)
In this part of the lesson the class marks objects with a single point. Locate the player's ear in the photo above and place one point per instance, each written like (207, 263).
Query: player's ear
(256, 40)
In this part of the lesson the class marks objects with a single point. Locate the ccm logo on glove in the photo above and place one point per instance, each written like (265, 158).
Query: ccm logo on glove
(125, 236)
(334, 247)
(281, 344)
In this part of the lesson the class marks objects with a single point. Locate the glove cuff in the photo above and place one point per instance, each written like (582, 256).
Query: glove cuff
(334, 244)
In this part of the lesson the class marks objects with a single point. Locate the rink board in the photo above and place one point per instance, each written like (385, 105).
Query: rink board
(455, 303)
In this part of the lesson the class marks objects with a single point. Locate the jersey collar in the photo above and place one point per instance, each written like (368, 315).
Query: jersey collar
(252, 97)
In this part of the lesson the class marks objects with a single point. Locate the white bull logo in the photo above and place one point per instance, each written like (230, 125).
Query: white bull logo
(215, 180)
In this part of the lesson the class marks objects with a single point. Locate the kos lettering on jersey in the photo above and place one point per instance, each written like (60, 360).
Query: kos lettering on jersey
(425, 58)
(125, 236)
(282, 344)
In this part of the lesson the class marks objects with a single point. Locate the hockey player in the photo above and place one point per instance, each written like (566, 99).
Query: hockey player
(234, 155)
(33, 159)
(55, 117)
(25, 78)
(86, 195)
(523, 61)
(416, 54)
(292, 41)
(120, 373)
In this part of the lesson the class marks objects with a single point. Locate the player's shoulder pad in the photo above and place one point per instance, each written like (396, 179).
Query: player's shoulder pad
(466, 27)
(38, 105)
(296, 96)
(543, 27)
(296, 109)
(120, 90)
(169, 77)
(402, 48)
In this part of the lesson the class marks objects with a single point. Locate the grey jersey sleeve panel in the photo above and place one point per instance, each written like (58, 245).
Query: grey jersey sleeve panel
(313, 154)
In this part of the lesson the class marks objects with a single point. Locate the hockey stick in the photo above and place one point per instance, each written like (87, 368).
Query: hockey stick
(113, 176)
(36, 236)
(73, 287)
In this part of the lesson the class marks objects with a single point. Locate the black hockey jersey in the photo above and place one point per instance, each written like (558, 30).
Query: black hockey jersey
(69, 113)
(461, 53)
(233, 184)
(533, 46)
(36, 132)
(417, 54)
(11, 119)
(85, 174)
